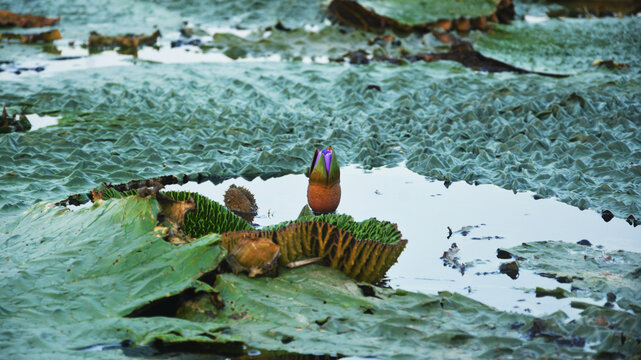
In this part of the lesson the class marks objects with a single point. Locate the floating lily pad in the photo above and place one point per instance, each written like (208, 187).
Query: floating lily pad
(421, 16)
(101, 277)
(423, 11)
(71, 278)
(592, 272)
(362, 250)
(597, 7)
(319, 310)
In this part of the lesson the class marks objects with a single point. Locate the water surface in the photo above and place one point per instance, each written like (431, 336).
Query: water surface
(482, 218)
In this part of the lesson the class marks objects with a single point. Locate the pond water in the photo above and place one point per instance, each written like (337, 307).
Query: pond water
(38, 121)
(482, 218)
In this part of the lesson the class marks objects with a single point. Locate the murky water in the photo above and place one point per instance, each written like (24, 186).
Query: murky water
(482, 219)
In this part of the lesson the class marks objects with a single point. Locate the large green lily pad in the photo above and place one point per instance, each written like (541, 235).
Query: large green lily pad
(319, 310)
(71, 278)
(423, 11)
(593, 272)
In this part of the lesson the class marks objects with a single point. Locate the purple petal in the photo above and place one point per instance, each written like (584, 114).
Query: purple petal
(328, 158)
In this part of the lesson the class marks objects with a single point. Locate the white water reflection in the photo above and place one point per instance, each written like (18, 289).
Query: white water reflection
(38, 121)
(535, 19)
(82, 60)
(424, 210)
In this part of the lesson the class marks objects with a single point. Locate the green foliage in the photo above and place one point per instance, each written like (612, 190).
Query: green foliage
(417, 12)
(316, 309)
(210, 217)
(111, 193)
(70, 278)
(594, 271)
(569, 143)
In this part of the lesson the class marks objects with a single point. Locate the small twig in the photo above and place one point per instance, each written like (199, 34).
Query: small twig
(450, 233)
(295, 264)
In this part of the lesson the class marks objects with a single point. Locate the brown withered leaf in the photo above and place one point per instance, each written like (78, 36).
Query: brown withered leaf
(11, 19)
(43, 37)
(172, 213)
(126, 41)
(256, 256)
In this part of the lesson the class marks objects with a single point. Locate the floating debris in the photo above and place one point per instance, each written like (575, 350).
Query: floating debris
(558, 293)
(450, 258)
(510, 269)
(127, 43)
(462, 51)
(9, 124)
(607, 215)
(11, 19)
(611, 64)
(584, 242)
(43, 37)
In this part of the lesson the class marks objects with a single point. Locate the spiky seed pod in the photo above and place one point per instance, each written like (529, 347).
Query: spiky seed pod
(241, 201)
